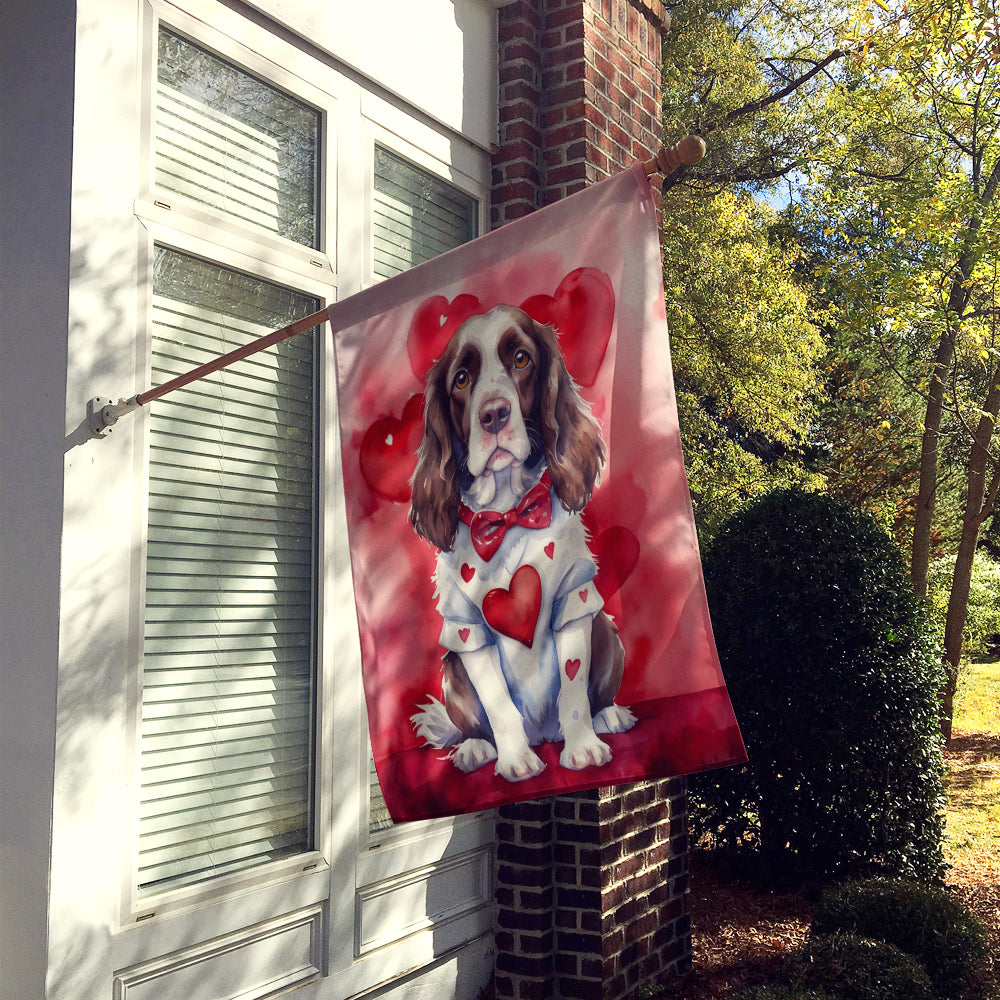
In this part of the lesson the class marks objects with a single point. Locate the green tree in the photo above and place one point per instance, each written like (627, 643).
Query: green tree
(747, 358)
(910, 182)
(746, 347)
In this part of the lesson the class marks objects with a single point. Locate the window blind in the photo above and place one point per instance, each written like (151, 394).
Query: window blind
(226, 756)
(415, 216)
(228, 140)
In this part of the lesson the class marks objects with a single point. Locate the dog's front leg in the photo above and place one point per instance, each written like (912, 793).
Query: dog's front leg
(583, 747)
(516, 761)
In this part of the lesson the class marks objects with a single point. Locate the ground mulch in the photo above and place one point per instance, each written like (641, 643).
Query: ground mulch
(742, 934)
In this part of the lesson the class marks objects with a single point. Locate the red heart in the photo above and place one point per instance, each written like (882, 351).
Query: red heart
(468, 572)
(582, 312)
(550, 548)
(435, 320)
(463, 634)
(616, 551)
(572, 668)
(583, 594)
(514, 612)
(389, 451)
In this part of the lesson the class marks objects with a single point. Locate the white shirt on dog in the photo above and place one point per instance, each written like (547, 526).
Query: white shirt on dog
(565, 567)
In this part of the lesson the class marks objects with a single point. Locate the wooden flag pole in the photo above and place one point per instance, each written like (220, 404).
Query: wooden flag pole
(103, 413)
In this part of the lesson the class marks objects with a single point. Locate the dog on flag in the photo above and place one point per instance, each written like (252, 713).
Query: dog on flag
(509, 457)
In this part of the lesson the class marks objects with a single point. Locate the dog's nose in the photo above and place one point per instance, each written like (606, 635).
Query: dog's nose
(494, 415)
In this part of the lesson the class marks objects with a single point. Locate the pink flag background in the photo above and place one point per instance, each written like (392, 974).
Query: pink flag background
(589, 266)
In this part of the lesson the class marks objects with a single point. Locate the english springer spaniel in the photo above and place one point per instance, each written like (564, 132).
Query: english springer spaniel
(510, 456)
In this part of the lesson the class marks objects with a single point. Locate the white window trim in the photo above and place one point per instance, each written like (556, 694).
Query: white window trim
(348, 867)
(193, 240)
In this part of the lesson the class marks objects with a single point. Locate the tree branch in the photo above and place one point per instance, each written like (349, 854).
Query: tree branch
(754, 106)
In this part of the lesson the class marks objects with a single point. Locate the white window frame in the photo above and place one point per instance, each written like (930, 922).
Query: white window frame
(350, 874)
(180, 224)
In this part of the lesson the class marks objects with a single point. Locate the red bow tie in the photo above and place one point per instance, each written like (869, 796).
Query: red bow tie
(488, 527)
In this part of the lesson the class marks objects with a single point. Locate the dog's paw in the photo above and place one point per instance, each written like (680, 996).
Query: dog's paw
(520, 766)
(472, 754)
(613, 719)
(588, 751)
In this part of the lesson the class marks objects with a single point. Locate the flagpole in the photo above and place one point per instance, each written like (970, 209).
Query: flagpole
(103, 413)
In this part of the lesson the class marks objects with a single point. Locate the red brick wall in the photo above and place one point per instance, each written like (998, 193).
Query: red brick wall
(579, 96)
(591, 889)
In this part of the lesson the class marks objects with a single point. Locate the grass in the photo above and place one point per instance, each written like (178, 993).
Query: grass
(978, 698)
(973, 782)
(972, 848)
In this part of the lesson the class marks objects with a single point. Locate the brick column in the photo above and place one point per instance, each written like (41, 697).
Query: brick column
(591, 889)
(579, 96)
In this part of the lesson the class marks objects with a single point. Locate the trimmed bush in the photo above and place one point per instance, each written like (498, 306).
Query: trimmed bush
(833, 672)
(856, 968)
(925, 922)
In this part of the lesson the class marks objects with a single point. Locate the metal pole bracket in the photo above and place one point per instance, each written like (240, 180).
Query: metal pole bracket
(103, 413)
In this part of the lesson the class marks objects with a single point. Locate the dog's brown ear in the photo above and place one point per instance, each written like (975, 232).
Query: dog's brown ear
(574, 448)
(434, 496)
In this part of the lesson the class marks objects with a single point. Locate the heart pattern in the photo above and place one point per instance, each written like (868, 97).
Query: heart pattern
(616, 551)
(514, 612)
(432, 326)
(582, 312)
(388, 453)
(468, 572)
(464, 633)
(550, 549)
(572, 668)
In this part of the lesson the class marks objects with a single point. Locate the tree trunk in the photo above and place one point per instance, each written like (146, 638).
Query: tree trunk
(980, 498)
(958, 299)
(920, 553)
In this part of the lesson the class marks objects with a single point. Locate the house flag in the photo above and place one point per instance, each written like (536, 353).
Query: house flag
(527, 581)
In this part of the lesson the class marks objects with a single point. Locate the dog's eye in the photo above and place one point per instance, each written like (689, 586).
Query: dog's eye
(461, 380)
(522, 359)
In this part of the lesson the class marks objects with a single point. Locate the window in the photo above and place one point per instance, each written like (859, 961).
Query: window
(416, 216)
(274, 183)
(229, 646)
(228, 678)
(227, 140)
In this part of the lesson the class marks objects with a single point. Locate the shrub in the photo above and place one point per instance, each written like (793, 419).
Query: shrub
(833, 673)
(982, 620)
(926, 922)
(856, 968)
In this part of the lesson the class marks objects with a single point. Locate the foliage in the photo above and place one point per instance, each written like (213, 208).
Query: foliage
(983, 615)
(833, 673)
(857, 968)
(780, 992)
(746, 76)
(878, 126)
(926, 922)
(869, 428)
(746, 355)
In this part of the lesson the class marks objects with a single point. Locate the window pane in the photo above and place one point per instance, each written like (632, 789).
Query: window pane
(228, 140)
(416, 217)
(228, 657)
